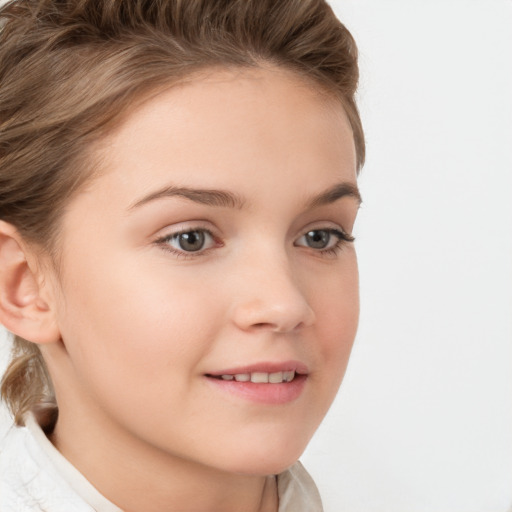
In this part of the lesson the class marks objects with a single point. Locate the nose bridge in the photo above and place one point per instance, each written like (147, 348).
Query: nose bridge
(269, 294)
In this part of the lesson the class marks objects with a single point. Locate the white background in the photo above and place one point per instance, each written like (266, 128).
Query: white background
(423, 422)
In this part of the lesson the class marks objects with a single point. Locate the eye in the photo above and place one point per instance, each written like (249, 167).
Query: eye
(324, 239)
(194, 240)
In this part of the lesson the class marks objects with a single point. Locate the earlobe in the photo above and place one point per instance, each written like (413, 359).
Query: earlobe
(23, 311)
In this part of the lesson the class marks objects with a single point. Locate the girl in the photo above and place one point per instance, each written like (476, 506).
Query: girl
(177, 195)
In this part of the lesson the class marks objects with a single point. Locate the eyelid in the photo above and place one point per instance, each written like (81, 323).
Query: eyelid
(327, 226)
(340, 233)
(185, 227)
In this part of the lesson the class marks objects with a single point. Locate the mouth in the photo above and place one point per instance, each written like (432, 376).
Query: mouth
(267, 383)
(258, 377)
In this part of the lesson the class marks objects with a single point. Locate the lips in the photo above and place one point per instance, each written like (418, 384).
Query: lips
(269, 382)
(264, 372)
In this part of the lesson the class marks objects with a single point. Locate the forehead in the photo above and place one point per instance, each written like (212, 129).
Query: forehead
(230, 128)
(227, 111)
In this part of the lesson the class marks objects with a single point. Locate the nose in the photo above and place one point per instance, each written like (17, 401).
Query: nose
(269, 297)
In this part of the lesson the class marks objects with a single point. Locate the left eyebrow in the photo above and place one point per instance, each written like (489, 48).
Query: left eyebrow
(336, 192)
(219, 198)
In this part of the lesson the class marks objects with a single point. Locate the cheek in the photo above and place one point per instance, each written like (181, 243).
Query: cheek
(337, 314)
(133, 320)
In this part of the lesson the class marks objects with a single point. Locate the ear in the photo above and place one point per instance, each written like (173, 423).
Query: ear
(23, 308)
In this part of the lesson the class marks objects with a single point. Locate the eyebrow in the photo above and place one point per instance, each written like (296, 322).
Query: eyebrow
(226, 199)
(219, 198)
(331, 195)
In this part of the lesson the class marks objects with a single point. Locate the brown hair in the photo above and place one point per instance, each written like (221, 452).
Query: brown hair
(70, 68)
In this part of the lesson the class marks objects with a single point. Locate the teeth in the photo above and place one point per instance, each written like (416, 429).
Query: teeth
(275, 378)
(288, 376)
(262, 377)
(259, 377)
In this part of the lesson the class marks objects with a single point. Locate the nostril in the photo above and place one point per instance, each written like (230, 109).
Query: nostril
(263, 325)
(276, 327)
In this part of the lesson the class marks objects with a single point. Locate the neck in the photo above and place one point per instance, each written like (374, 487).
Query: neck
(137, 477)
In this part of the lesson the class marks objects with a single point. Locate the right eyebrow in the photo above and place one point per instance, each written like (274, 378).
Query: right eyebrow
(209, 197)
(331, 195)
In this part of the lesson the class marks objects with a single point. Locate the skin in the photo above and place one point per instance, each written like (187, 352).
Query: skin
(140, 322)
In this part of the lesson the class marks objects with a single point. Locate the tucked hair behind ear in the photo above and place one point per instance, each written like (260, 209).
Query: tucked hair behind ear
(70, 70)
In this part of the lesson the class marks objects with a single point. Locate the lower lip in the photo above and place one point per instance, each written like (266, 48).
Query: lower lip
(263, 393)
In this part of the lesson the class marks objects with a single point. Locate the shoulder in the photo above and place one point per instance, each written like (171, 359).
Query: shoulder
(297, 491)
(28, 481)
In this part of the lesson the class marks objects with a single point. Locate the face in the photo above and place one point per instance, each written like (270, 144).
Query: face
(212, 255)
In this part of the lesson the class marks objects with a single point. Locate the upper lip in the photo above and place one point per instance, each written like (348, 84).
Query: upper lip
(264, 367)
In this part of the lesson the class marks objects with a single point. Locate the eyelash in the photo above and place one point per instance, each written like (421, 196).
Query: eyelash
(343, 238)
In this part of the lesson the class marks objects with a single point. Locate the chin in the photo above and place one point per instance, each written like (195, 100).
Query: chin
(267, 460)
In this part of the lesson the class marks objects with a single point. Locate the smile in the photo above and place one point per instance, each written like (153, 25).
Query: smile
(264, 383)
(259, 377)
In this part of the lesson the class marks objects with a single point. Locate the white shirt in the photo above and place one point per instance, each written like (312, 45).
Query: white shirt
(35, 477)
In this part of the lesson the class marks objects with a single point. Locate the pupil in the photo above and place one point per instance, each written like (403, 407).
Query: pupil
(318, 239)
(192, 241)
